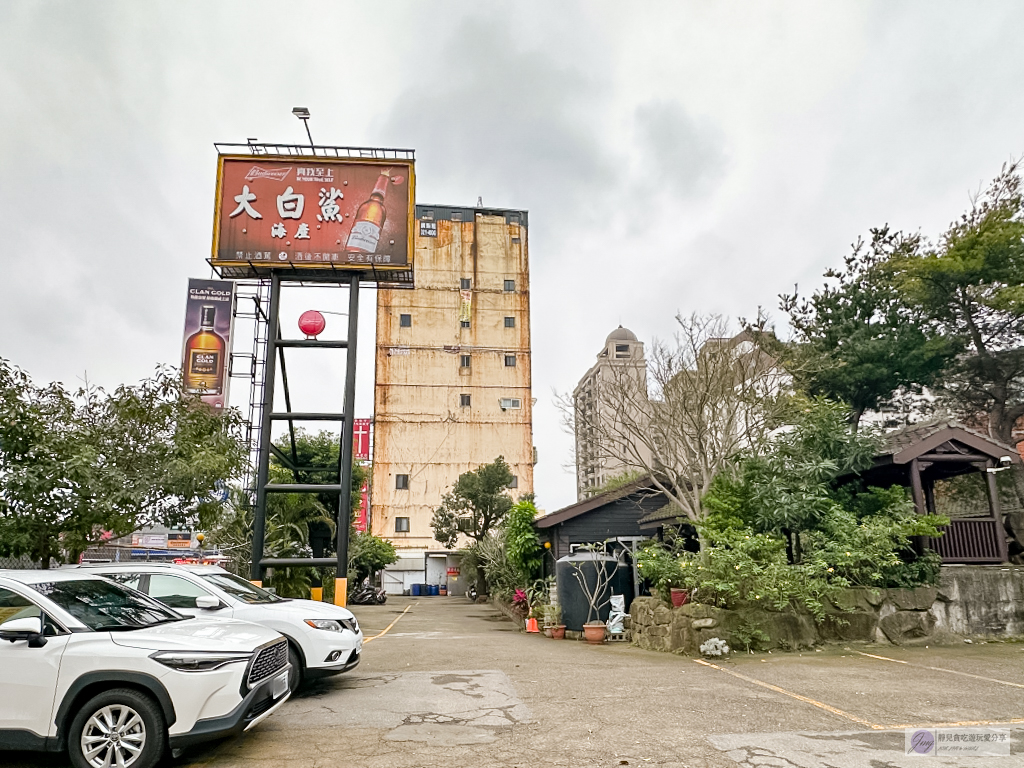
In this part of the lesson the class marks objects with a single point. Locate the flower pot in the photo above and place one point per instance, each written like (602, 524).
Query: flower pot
(558, 632)
(679, 597)
(547, 631)
(594, 633)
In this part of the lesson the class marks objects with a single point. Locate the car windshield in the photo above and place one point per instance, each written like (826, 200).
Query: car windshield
(105, 606)
(238, 587)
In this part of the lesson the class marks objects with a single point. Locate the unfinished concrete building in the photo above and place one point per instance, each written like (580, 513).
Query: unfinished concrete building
(453, 368)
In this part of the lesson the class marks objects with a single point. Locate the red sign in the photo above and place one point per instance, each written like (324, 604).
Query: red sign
(317, 212)
(361, 431)
(364, 508)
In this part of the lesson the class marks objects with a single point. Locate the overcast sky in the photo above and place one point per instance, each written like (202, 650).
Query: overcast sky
(674, 156)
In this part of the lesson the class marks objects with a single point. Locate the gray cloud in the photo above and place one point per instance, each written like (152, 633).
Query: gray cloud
(682, 155)
(678, 156)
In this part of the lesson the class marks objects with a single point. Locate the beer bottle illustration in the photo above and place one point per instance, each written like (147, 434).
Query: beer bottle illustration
(369, 220)
(204, 356)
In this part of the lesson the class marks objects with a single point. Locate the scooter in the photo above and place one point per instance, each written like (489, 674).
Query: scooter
(368, 595)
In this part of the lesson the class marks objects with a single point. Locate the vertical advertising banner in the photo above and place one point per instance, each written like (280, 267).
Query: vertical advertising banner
(362, 429)
(204, 358)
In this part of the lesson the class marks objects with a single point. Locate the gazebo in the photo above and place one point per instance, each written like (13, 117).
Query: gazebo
(921, 455)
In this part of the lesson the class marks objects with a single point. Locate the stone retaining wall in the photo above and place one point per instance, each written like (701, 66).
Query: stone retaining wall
(970, 601)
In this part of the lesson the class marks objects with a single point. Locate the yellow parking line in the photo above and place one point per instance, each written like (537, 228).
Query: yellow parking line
(389, 626)
(961, 724)
(941, 669)
(797, 696)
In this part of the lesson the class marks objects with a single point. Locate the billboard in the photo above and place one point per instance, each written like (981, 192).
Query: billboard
(207, 344)
(179, 541)
(314, 212)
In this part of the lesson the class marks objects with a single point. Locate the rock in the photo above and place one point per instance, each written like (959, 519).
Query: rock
(917, 599)
(904, 625)
(707, 623)
(875, 597)
(859, 599)
(657, 631)
(662, 615)
(858, 625)
(924, 597)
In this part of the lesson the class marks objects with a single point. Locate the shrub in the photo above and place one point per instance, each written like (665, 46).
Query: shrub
(743, 568)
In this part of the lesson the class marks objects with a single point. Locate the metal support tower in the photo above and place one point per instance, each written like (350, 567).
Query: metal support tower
(274, 357)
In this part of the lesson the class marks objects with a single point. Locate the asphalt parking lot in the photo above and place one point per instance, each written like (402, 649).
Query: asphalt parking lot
(447, 683)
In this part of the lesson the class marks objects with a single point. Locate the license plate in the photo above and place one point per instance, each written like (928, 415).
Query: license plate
(280, 685)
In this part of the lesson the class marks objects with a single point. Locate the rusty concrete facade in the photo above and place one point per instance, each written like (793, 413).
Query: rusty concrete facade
(423, 427)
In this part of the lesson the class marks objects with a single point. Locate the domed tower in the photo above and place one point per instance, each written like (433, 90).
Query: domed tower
(621, 363)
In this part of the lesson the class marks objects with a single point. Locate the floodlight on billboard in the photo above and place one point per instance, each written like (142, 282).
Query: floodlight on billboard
(314, 212)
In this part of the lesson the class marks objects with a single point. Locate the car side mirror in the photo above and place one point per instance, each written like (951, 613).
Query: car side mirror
(208, 603)
(29, 628)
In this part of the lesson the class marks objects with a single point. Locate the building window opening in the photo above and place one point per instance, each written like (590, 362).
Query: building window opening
(510, 322)
(464, 361)
(510, 361)
(464, 323)
(510, 286)
(402, 482)
(465, 284)
(514, 482)
(405, 321)
(464, 401)
(401, 525)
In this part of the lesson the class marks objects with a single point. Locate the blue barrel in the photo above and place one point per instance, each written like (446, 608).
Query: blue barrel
(415, 590)
(435, 590)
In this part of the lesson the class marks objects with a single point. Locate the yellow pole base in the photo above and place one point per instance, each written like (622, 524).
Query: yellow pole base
(340, 592)
(316, 594)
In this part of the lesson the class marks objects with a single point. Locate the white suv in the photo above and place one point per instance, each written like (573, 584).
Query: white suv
(116, 678)
(323, 639)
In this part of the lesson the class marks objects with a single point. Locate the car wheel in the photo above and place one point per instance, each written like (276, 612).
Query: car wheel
(295, 673)
(119, 727)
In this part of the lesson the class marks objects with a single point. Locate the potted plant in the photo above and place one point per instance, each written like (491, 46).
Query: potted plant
(662, 569)
(596, 592)
(553, 626)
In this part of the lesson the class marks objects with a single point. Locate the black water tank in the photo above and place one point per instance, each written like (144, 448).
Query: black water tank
(571, 596)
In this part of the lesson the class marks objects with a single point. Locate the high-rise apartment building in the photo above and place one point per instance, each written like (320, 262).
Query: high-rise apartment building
(453, 368)
(597, 459)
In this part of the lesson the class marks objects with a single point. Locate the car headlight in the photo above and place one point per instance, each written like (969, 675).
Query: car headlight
(330, 625)
(334, 625)
(198, 661)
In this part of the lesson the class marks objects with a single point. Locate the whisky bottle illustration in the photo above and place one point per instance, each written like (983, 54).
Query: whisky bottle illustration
(369, 220)
(204, 357)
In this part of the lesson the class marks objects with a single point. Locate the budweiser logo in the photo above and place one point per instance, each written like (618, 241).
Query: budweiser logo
(278, 174)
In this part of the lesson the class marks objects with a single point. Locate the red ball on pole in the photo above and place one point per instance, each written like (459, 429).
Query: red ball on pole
(312, 323)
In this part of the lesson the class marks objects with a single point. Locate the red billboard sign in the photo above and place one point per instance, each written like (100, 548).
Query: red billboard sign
(314, 212)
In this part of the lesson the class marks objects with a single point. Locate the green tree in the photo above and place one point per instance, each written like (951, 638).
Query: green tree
(367, 554)
(477, 504)
(78, 468)
(802, 489)
(294, 520)
(857, 340)
(522, 543)
(970, 288)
